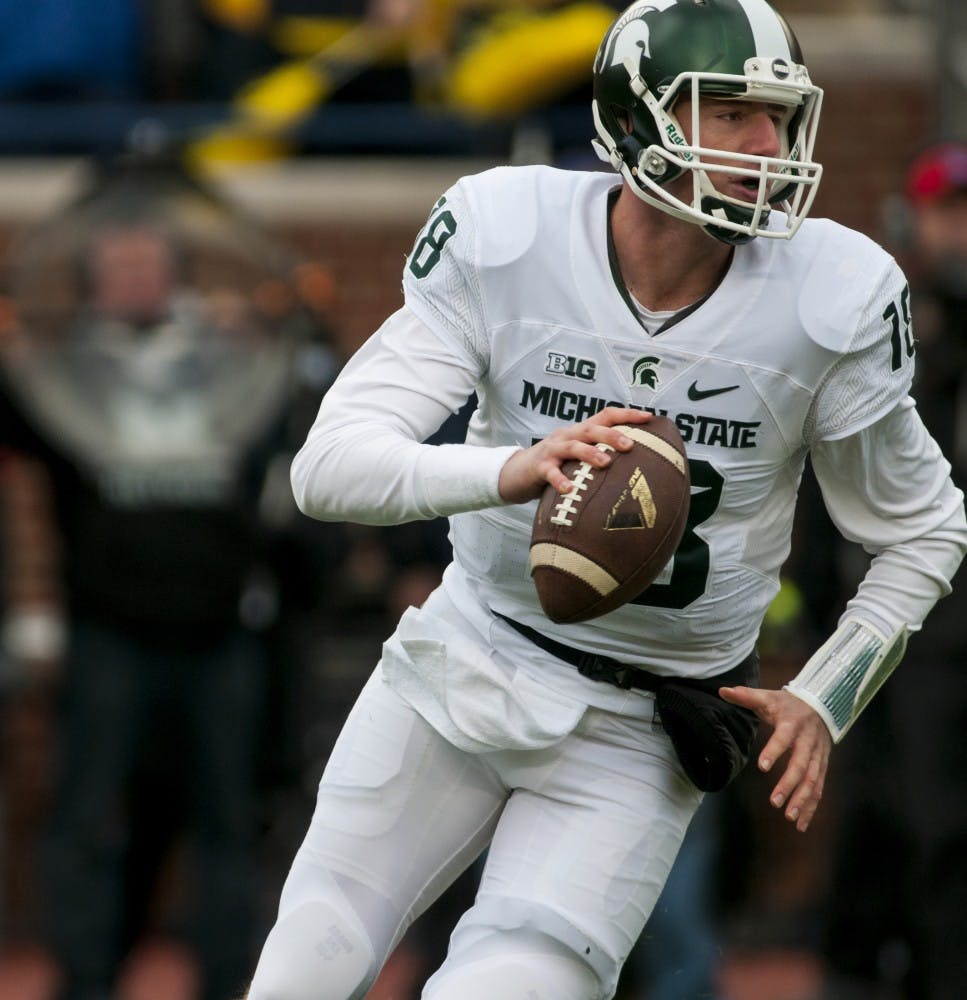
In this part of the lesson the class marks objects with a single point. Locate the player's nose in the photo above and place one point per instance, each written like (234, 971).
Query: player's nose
(763, 138)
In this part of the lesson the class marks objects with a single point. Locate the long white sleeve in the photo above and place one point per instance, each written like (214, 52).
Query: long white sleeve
(888, 487)
(364, 459)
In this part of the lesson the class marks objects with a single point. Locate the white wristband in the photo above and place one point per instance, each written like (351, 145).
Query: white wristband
(841, 677)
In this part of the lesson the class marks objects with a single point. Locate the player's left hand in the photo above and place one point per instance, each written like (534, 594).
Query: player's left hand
(798, 729)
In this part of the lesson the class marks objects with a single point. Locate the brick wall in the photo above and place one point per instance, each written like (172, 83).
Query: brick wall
(367, 264)
(870, 128)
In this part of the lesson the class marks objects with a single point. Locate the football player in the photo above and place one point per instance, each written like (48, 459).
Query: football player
(571, 303)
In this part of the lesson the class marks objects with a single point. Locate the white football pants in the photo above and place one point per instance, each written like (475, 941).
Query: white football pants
(582, 836)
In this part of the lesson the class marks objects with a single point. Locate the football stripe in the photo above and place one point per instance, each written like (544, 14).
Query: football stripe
(557, 557)
(656, 444)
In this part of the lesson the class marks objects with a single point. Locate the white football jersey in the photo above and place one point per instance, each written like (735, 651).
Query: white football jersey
(803, 341)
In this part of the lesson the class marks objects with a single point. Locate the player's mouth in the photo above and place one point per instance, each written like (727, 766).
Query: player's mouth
(744, 188)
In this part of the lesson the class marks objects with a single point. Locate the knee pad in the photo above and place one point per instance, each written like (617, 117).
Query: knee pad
(514, 965)
(315, 952)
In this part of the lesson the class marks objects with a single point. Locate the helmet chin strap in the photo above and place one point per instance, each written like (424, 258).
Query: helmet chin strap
(734, 213)
(714, 204)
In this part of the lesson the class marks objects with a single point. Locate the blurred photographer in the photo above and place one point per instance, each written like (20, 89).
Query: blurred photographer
(148, 364)
(936, 244)
(904, 774)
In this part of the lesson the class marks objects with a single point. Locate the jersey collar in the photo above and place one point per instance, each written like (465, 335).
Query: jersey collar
(623, 288)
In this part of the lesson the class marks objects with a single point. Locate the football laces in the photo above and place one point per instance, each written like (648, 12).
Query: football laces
(566, 508)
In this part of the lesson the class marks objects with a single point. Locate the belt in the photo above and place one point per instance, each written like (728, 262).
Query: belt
(626, 676)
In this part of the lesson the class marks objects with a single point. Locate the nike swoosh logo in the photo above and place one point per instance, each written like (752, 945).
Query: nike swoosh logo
(695, 394)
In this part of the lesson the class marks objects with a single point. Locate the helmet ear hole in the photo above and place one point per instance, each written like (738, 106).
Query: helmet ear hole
(624, 119)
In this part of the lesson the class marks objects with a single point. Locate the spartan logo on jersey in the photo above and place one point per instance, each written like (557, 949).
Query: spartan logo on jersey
(570, 366)
(645, 372)
(635, 508)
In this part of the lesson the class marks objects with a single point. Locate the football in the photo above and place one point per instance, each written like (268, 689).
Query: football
(600, 545)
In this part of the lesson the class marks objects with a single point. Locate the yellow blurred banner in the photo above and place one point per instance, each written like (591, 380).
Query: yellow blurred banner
(269, 108)
(523, 59)
(520, 57)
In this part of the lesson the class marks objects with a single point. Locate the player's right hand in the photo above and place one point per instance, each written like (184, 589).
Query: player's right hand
(528, 471)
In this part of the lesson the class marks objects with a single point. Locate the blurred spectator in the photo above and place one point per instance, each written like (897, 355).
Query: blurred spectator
(895, 923)
(150, 363)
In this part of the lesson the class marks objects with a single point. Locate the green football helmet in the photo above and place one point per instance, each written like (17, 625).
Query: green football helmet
(658, 51)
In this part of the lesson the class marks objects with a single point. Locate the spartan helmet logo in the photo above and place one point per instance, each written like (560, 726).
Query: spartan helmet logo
(632, 36)
(645, 372)
(632, 43)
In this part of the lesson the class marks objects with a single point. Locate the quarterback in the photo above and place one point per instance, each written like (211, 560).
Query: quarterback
(691, 285)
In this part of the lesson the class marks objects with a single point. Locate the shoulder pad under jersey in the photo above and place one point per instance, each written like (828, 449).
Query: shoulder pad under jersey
(846, 280)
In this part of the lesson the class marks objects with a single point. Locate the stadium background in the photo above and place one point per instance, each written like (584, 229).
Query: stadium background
(888, 70)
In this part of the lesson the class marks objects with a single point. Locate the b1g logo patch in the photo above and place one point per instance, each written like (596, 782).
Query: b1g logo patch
(571, 367)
